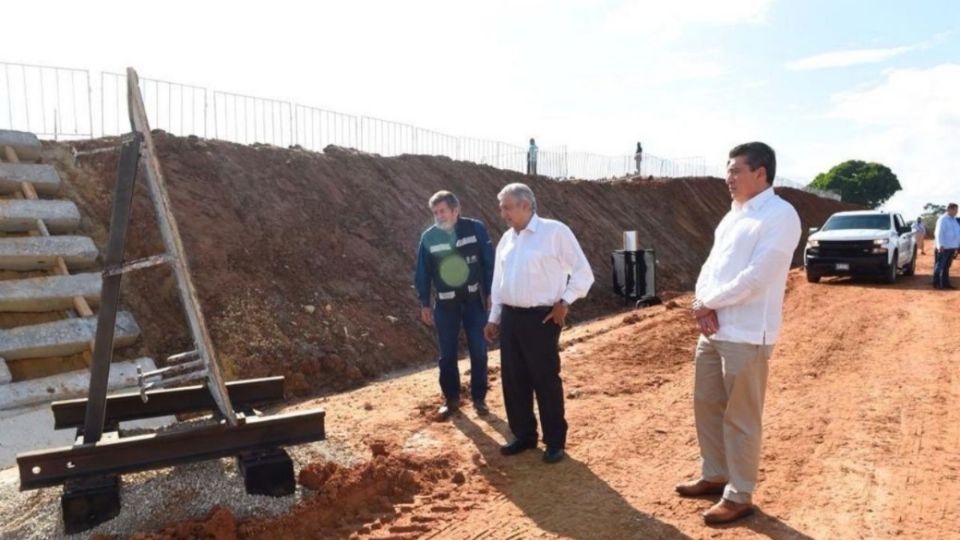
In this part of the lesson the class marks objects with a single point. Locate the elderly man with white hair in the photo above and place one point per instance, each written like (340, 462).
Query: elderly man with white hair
(540, 270)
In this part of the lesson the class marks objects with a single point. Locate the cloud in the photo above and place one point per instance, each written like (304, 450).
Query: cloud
(911, 123)
(854, 57)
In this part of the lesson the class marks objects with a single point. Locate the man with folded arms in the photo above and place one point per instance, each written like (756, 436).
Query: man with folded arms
(738, 307)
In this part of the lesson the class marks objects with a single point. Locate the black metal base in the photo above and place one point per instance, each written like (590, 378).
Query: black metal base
(90, 473)
(267, 473)
(153, 451)
(88, 502)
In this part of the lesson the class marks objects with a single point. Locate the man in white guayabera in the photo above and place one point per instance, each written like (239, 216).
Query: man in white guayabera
(738, 307)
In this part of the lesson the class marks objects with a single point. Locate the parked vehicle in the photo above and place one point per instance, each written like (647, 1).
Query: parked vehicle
(861, 243)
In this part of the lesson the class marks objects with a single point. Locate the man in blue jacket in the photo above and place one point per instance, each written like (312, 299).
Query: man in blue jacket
(455, 261)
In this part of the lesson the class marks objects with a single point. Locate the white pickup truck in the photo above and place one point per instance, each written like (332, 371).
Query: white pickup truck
(861, 243)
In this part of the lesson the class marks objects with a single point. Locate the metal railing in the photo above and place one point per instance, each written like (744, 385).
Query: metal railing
(181, 109)
(54, 102)
(58, 102)
(316, 128)
(248, 119)
(826, 194)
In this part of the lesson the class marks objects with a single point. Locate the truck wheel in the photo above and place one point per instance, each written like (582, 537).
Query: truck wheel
(891, 276)
(911, 267)
(813, 278)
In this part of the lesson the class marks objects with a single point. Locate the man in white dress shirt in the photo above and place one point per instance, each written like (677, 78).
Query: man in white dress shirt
(738, 306)
(946, 240)
(540, 270)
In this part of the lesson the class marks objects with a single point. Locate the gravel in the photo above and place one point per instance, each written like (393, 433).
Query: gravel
(154, 499)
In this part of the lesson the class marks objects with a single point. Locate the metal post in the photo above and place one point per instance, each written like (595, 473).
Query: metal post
(56, 81)
(26, 102)
(360, 133)
(118, 105)
(110, 293)
(6, 77)
(43, 102)
(90, 101)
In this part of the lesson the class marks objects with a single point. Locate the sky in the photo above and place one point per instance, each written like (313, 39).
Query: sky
(820, 81)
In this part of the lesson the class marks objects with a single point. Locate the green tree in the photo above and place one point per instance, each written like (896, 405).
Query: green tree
(932, 212)
(860, 182)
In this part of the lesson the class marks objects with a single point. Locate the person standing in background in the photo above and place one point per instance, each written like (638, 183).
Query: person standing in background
(638, 157)
(532, 158)
(946, 240)
(920, 232)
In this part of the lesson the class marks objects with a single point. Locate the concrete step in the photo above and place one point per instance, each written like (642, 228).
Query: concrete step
(44, 178)
(26, 144)
(26, 429)
(39, 252)
(21, 215)
(48, 293)
(4, 372)
(62, 338)
(71, 385)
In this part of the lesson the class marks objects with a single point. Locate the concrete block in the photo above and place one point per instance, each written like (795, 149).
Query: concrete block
(26, 429)
(26, 144)
(44, 178)
(62, 338)
(21, 215)
(39, 252)
(74, 384)
(48, 293)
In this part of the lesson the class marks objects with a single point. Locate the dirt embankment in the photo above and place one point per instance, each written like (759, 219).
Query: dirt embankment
(270, 231)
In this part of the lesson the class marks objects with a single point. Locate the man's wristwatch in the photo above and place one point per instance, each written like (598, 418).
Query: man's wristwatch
(697, 305)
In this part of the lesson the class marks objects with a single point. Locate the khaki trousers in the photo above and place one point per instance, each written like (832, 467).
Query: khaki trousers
(730, 383)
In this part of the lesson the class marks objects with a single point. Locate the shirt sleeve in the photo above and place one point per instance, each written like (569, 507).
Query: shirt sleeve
(487, 257)
(700, 289)
(422, 278)
(938, 234)
(581, 275)
(496, 305)
(773, 252)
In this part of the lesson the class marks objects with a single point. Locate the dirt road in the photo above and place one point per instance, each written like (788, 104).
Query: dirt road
(862, 431)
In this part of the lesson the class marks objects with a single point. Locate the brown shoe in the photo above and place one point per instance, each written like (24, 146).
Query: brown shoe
(727, 511)
(699, 488)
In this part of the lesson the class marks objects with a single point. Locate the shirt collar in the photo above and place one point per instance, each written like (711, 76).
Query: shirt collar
(756, 202)
(531, 225)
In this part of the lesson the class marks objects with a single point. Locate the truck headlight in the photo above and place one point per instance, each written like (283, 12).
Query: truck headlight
(813, 243)
(879, 250)
(880, 242)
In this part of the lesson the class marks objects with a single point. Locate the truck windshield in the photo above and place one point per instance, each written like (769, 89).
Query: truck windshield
(837, 223)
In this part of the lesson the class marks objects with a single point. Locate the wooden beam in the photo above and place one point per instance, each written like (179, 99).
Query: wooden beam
(170, 233)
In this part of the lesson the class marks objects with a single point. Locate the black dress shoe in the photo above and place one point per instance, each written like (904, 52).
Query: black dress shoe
(448, 409)
(553, 455)
(481, 408)
(950, 287)
(516, 447)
